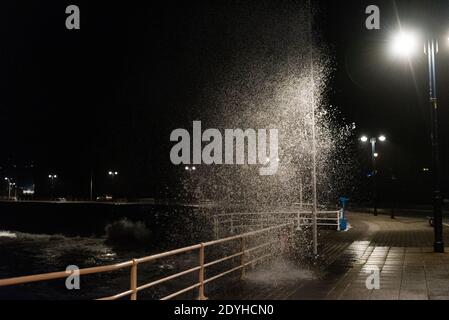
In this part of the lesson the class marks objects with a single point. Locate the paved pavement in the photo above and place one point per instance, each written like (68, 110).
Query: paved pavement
(400, 249)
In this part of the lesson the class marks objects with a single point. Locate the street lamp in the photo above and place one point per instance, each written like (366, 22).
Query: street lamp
(9, 187)
(407, 42)
(52, 178)
(374, 156)
(113, 174)
(404, 44)
(193, 181)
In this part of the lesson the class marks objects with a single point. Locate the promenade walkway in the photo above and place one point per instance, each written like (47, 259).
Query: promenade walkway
(401, 249)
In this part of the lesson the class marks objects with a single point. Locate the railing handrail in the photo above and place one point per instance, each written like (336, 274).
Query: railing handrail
(237, 221)
(273, 212)
(168, 253)
(63, 274)
(245, 235)
(135, 262)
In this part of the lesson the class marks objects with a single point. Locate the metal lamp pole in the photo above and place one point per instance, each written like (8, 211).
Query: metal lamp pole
(373, 157)
(404, 44)
(113, 174)
(91, 184)
(9, 188)
(52, 178)
(431, 51)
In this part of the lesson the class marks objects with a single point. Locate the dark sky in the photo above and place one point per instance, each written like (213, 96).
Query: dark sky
(107, 96)
(383, 95)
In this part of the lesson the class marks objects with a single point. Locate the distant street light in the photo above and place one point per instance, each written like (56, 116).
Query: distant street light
(405, 44)
(195, 187)
(374, 155)
(91, 185)
(9, 187)
(113, 174)
(15, 190)
(52, 178)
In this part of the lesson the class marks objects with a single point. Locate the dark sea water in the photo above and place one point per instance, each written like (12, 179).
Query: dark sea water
(41, 238)
(48, 237)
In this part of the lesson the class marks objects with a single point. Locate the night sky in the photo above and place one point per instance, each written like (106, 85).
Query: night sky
(107, 96)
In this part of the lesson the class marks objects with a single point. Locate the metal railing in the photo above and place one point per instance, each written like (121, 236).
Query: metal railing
(324, 218)
(230, 223)
(234, 222)
(133, 265)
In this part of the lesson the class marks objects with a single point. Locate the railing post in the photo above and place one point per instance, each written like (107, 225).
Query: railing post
(134, 280)
(201, 295)
(242, 257)
(216, 227)
(338, 220)
(298, 227)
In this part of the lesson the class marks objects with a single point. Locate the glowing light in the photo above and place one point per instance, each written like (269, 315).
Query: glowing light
(404, 44)
(382, 138)
(376, 155)
(364, 139)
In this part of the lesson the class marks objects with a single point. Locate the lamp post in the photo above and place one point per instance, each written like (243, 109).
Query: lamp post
(15, 190)
(91, 185)
(404, 44)
(113, 174)
(52, 178)
(431, 50)
(374, 156)
(193, 182)
(9, 187)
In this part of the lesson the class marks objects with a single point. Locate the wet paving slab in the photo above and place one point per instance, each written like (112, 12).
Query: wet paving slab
(399, 250)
